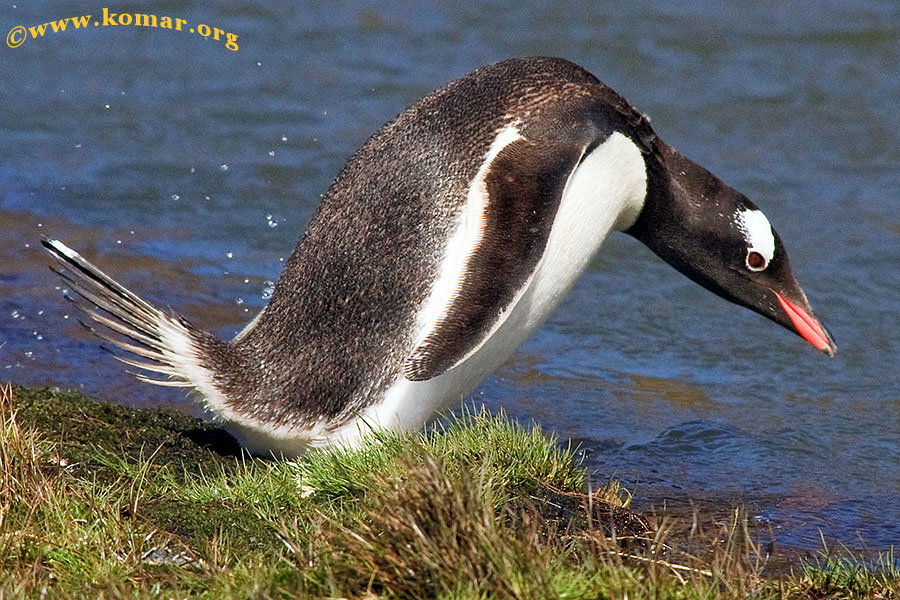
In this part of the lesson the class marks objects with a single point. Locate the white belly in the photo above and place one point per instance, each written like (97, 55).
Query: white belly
(605, 192)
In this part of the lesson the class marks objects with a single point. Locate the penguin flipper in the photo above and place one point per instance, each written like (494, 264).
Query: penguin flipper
(522, 187)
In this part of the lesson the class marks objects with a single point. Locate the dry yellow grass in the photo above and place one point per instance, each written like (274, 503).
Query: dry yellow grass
(100, 501)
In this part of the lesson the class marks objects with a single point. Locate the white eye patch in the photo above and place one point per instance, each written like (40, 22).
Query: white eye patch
(757, 230)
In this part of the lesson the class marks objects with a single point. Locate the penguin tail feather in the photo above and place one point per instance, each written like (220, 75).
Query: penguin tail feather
(168, 343)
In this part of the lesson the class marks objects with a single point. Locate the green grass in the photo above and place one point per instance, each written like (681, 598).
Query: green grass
(101, 501)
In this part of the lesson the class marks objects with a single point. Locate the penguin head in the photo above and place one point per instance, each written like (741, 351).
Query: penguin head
(718, 238)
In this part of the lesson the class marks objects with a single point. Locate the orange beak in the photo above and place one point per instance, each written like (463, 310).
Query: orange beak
(807, 326)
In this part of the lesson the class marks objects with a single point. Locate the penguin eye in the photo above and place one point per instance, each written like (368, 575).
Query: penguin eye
(756, 261)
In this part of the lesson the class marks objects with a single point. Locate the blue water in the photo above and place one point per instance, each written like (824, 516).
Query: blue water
(189, 170)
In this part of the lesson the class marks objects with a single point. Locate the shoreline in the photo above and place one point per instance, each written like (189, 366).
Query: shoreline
(478, 505)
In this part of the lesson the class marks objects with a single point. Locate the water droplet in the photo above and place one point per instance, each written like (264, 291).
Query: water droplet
(40, 312)
(223, 167)
(271, 153)
(28, 353)
(78, 145)
(28, 245)
(118, 241)
(229, 255)
(284, 138)
(193, 170)
(106, 106)
(14, 314)
(40, 224)
(176, 197)
(268, 290)
(240, 300)
(258, 64)
(246, 280)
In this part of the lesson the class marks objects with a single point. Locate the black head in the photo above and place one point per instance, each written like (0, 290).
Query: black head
(720, 239)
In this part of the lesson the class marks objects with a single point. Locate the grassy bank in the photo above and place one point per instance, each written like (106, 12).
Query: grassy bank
(102, 501)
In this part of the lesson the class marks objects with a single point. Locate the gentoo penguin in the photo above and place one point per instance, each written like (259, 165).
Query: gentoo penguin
(444, 241)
